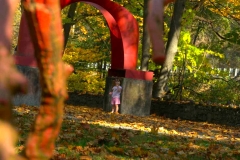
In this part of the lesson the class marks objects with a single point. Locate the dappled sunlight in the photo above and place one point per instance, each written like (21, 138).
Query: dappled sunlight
(157, 124)
(91, 131)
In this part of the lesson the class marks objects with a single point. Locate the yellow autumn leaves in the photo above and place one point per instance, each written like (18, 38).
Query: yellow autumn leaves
(90, 133)
(227, 8)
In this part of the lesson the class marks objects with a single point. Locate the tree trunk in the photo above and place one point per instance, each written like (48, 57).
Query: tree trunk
(171, 49)
(44, 21)
(104, 68)
(67, 26)
(145, 40)
(197, 33)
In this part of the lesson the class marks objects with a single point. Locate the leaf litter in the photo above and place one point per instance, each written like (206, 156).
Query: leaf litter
(91, 133)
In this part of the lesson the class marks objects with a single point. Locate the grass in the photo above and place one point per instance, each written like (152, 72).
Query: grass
(89, 133)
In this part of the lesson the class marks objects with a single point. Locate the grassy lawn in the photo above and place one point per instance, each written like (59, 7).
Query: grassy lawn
(90, 133)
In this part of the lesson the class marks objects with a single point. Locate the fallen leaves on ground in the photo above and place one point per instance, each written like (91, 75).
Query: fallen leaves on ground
(90, 133)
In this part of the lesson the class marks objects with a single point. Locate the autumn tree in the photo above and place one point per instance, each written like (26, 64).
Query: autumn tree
(171, 48)
(67, 26)
(89, 39)
(219, 22)
(88, 49)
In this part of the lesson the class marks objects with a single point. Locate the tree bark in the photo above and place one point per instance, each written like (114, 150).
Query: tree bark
(171, 49)
(67, 26)
(45, 26)
(145, 40)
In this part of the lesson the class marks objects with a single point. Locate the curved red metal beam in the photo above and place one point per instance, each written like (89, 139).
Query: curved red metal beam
(123, 30)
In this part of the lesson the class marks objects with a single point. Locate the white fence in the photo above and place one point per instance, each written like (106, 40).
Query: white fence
(232, 72)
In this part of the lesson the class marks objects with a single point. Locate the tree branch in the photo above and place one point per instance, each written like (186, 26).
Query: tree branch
(210, 22)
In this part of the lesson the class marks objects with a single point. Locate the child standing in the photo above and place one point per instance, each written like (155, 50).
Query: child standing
(116, 92)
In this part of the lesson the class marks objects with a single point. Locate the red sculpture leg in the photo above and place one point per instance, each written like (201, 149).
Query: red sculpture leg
(155, 27)
(25, 51)
(46, 31)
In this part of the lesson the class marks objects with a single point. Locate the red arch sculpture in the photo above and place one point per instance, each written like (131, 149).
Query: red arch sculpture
(123, 29)
(124, 40)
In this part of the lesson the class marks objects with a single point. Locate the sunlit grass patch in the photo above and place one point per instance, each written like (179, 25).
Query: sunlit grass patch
(94, 134)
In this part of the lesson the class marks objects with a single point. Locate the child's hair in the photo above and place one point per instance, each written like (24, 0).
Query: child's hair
(117, 81)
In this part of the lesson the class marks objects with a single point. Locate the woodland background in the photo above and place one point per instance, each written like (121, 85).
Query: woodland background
(204, 68)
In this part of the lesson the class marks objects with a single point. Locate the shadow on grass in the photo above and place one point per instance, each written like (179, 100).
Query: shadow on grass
(89, 100)
(100, 142)
(218, 114)
(91, 133)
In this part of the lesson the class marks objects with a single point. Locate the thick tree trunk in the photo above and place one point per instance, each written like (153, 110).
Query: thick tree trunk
(171, 49)
(145, 40)
(46, 32)
(67, 26)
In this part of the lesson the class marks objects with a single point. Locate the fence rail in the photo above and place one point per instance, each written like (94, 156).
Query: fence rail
(232, 72)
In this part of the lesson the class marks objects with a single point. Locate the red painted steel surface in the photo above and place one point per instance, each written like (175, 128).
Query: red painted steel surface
(24, 55)
(124, 37)
(128, 73)
(124, 43)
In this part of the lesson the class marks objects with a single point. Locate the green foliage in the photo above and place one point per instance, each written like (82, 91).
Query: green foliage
(195, 76)
(221, 90)
(188, 17)
(16, 24)
(74, 55)
(197, 80)
(86, 82)
(233, 36)
(194, 57)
